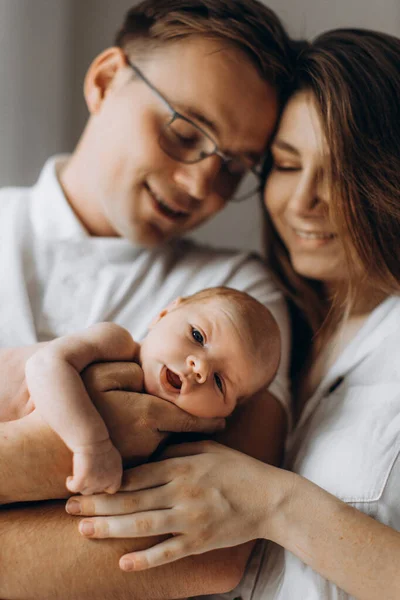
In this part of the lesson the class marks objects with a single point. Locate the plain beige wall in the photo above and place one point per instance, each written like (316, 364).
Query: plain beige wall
(47, 45)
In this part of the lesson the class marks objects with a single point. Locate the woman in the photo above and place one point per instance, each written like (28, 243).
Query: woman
(333, 221)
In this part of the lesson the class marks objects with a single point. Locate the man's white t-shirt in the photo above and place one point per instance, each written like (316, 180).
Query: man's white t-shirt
(56, 279)
(348, 442)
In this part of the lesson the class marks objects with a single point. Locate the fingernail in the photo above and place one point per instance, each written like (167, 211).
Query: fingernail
(86, 528)
(126, 564)
(73, 507)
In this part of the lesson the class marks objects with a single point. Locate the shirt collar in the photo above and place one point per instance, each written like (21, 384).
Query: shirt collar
(381, 323)
(54, 220)
(53, 217)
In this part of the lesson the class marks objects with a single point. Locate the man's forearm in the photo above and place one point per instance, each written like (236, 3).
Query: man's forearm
(34, 463)
(43, 557)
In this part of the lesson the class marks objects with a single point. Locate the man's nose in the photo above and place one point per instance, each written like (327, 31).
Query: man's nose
(198, 367)
(198, 179)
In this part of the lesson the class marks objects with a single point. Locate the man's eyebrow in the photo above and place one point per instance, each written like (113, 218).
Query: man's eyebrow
(193, 113)
(282, 145)
(254, 154)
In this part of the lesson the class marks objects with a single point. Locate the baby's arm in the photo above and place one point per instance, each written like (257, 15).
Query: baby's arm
(57, 390)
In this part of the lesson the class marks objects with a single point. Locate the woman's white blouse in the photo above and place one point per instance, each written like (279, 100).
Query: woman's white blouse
(348, 442)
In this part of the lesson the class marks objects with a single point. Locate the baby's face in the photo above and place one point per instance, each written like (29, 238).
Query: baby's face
(196, 357)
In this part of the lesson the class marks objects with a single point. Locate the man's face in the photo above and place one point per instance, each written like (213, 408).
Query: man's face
(135, 189)
(196, 356)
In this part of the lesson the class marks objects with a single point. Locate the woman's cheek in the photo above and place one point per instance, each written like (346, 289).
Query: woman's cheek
(273, 195)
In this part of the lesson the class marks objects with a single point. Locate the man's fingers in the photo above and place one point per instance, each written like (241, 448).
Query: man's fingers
(103, 377)
(161, 554)
(179, 420)
(143, 524)
(188, 449)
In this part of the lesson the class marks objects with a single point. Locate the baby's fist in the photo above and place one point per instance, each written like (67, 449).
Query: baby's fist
(96, 470)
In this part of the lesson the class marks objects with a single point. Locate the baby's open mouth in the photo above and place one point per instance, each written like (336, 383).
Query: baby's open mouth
(173, 379)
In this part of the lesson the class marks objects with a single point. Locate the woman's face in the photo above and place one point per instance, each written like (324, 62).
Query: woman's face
(297, 194)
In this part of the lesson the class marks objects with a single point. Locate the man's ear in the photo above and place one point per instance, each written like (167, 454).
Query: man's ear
(171, 306)
(100, 76)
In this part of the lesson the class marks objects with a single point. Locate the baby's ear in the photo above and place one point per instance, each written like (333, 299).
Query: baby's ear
(171, 306)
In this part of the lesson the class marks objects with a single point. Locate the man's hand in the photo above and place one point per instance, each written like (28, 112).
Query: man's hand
(137, 422)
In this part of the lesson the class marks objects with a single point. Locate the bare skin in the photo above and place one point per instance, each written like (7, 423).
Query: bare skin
(194, 356)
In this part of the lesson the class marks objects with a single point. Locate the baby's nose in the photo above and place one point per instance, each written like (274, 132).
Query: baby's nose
(198, 367)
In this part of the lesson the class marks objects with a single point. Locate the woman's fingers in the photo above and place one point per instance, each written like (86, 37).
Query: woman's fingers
(141, 490)
(122, 503)
(160, 554)
(142, 524)
(148, 481)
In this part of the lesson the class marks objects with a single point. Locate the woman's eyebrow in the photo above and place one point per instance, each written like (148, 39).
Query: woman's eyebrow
(282, 145)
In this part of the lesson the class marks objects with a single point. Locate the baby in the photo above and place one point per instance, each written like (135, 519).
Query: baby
(205, 353)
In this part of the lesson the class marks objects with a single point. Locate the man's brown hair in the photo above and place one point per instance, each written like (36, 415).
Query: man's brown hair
(246, 24)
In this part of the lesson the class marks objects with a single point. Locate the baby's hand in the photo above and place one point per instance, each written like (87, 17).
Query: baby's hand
(96, 469)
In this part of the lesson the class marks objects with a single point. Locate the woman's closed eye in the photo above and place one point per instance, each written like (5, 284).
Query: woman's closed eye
(280, 166)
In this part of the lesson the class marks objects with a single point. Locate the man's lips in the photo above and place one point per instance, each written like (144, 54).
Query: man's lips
(169, 209)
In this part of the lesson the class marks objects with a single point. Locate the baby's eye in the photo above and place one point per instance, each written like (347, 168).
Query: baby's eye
(218, 381)
(197, 336)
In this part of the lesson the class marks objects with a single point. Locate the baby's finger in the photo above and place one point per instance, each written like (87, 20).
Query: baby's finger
(160, 554)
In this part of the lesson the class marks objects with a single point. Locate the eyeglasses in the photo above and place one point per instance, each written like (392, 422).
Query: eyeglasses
(184, 141)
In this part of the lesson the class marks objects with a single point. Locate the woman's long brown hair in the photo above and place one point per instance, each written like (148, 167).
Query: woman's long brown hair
(354, 78)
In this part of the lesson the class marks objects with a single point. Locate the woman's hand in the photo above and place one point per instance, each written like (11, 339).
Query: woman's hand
(206, 495)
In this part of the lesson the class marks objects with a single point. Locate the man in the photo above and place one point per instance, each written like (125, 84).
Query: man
(180, 111)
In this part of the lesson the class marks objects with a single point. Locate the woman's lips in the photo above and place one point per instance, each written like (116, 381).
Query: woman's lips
(314, 235)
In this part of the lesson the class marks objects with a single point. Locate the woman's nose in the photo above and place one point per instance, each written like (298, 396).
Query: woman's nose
(305, 198)
(198, 367)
